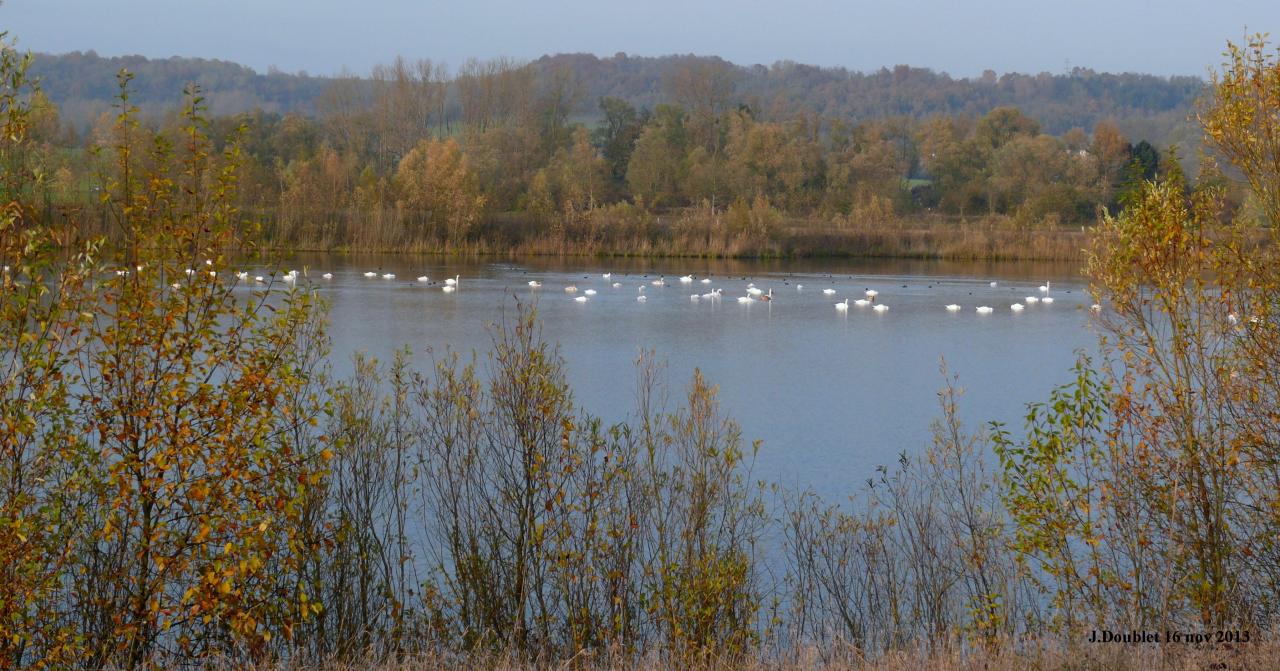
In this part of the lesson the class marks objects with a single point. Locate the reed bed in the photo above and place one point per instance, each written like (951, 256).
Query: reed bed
(624, 231)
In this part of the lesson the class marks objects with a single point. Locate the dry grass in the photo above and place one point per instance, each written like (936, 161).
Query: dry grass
(624, 231)
(1045, 656)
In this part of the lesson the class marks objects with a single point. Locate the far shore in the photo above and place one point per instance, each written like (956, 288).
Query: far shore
(694, 237)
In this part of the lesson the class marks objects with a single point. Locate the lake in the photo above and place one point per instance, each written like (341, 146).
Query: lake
(831, 394)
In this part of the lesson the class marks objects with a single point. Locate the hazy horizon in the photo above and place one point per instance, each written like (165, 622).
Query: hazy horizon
(326, 37)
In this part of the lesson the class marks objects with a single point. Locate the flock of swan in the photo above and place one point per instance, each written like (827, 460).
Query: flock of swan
(752, 293)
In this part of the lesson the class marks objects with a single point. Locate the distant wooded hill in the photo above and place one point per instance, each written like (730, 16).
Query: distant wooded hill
(83, 84)
(1145, 106)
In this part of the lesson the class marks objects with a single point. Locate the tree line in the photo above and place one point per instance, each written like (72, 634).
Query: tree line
(1144, 105)
(495, 157)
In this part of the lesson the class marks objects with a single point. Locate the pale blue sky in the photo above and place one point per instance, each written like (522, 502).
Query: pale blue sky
(963, 38)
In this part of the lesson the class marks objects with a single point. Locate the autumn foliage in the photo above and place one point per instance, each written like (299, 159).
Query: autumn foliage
(152, 492)
(182, 484)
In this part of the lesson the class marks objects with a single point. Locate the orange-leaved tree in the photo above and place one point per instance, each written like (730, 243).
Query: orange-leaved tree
(186, 383)
(44, 302)
(1149, 493)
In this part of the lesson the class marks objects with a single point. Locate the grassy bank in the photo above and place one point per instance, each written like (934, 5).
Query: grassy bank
(624, 231)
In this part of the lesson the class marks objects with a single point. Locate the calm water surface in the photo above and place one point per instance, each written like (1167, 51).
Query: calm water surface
(831, 395)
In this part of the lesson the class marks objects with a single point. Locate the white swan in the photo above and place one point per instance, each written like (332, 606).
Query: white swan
(1047, 299)
(843, 306)
(448, 289)
(606, 276)
(994, 284)
(706, 280)
(744, 299)
(984, 310)
(872, 293)
(617, 285)
(453, 282)
(1031, 299)
(1016, 307)
(686, 279)
(754, 291)
(828, 292)
(388, 276)
(799, 287)
(694, 298)
(571, 289)
(590, 292)
(371, 274)
(1044, 288)
(189, 271)
(424, 278)
(1095, 307)
(953, 308)
(641, 298)
(658, 282)
(580, 299)
(259, 279)
(862, 302)
(242, 275)
(881, 307)
(535, 284)
(327, 276)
